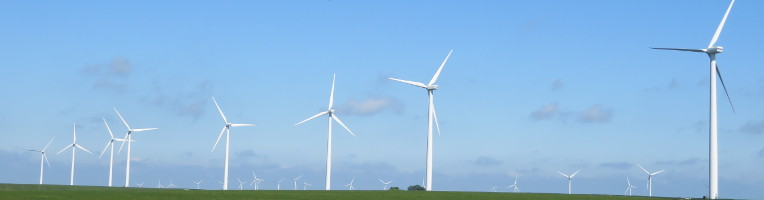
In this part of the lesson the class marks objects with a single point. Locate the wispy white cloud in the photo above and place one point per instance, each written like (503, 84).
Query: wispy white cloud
(546, 112)
(371, 106)
(557, 85)
(111, 76)
(616, 165)
(596, 114)
(754, 127)
(487, 161)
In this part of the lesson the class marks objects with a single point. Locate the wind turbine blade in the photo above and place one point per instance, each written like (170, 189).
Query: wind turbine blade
(221, 111)
(658, 172)
(565, 175)
(721, 25)
(342, 124)
(574, 174)
(46, 159)
(123, 143)
(435, 116)
(239, 125)
(725, 88)
(83, 148)
(314, 116)
(75, 133)
(65, 148)
(219, 136)
(107, 127)
(643, 169)
(298, 177)
(380, 180)
(143, 129)
(418, 84)
(46, 146)
(331, 95)
(123, 119)
(106, 147)
(678, 49)
(434, 78)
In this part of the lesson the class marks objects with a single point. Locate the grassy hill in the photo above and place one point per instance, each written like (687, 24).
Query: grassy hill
(28, 191)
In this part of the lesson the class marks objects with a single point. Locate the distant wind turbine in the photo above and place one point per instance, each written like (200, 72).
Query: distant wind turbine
(386, 183)
(74, 147)
(129, 138)
(494, 188)
(43, 157)
(430, 87)
(140, 185)
(278, 184)
(198, 183)
(514, 186)
(256, 181)
(570, 181)
(241, 184)
(650, 179)
(350, 185)
(227, 131)
(333, 116)
(171, 185)
(295, 182)
(110, 144)
(629, 187)
(160, 184)
(711, 50)
(305, 185)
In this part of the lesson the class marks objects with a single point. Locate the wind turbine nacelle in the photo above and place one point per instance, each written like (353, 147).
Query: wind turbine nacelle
(716, 49)
(432, 87)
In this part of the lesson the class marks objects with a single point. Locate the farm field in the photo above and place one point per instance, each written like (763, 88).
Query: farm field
(29, 191)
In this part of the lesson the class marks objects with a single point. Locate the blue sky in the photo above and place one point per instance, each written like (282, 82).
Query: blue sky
(531, 88)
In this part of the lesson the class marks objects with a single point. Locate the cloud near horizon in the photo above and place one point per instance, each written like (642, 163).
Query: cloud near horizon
(371, 106)
(594, 114)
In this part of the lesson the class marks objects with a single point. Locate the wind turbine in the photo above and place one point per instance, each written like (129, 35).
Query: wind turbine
(256, 181)
(295, 182)
(711, 51)
(514, 186)
(650, 179)
(160, 184)
(350, 185)
(140, 185)
(227, 131)
(386, 183)
(430, 87)
(198, 183)
(171, 185)
(43, 157)
(494, 188)
(629, 187)
(108, 144)
(278, 184)
(305, 185)
(329, 111)
(129, 138)
(241, 184)
(74, 147)
(570, 182)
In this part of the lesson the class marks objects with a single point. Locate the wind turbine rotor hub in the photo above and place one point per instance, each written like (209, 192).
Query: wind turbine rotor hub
(432, 87)
(715, 49)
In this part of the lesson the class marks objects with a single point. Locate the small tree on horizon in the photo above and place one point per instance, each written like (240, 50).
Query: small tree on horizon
(416, 188)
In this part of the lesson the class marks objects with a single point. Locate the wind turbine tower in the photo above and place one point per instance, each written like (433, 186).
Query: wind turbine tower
(74, 147)
(129, 138)
(713, 154)
(332, 116)
(431, 116)
(570, 180)
(650, 179)
(43, 157)
(227, 131)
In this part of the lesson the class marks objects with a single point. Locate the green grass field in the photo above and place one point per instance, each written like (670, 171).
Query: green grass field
(28, 191)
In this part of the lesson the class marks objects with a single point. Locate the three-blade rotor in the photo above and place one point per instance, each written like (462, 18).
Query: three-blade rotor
(329, 111)
(227, 126)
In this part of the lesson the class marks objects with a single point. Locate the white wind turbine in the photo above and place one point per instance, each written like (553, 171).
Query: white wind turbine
(331, 114)
(650, 179)
(629, 187)
(140, 185)
(227, 131)
(110, 144)
(570, 181)
(43, 157)
(711, 51)
(198, 183)
(514, 186)
(241, 184)
(74, 147)
(160, 184)
(431, 87)
(256, 181)
(129, 138)
(386, 183)
(350, 185)
(278, 184)
(171, 185)
(494, 188)
(295, 182)
(305, 185)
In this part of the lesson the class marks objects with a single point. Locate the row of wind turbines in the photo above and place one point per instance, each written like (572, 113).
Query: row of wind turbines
(711, 51)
